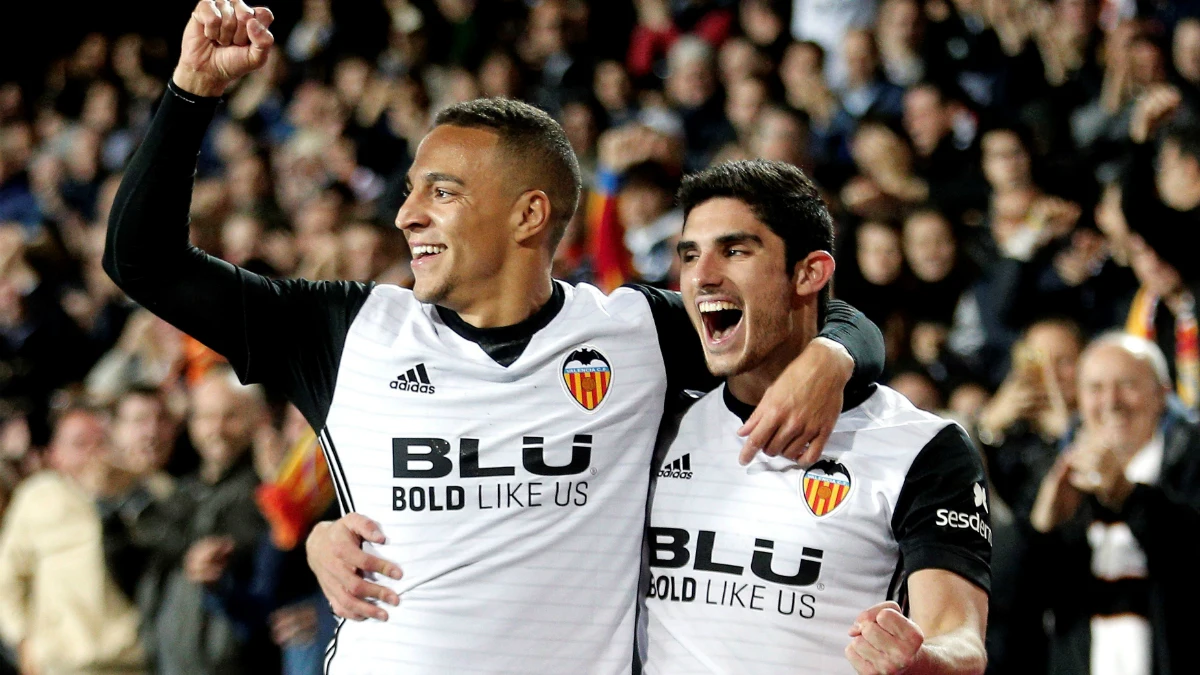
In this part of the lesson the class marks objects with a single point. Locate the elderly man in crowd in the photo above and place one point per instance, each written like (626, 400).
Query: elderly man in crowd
(1118, 518)
(204, 539)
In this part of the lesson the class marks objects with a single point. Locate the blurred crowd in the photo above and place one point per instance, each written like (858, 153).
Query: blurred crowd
(1013, 181)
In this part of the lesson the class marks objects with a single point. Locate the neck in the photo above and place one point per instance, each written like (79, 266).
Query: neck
(750, 386)
(510, 298)
(211, 472)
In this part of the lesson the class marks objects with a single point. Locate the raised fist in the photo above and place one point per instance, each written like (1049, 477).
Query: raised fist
(223, 41)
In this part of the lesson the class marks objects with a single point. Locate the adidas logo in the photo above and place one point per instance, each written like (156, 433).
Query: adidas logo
(416, 380)
(680, 468)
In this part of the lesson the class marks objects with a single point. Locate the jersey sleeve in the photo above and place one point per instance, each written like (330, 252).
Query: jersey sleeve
(684, 355)
(286, 334)
(941, 519)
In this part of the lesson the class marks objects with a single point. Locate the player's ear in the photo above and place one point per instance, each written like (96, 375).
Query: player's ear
(813, 273)
(531, 215)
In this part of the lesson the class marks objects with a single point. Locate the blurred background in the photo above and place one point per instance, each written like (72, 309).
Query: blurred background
(1010, 178)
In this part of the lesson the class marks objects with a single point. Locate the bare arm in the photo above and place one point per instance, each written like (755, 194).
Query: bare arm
(952, 612)
(944, 634)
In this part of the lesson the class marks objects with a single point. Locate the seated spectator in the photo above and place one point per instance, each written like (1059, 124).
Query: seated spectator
(745, 99)
(691, 88)
(1167, 194)
(66, 588)
(940, 277)
(867, 93)
(886, 181)
(780, 135)
(645, 203)
(918, 388)
(1185, 57)
(944, 156)
(899, 33)
(1117, 520)
(1164, 309)
(204, 543)
(1021, 428)
(614, 93)
(41, 348)
(873, 279)
(17, 202)
(149, 352)
(1136, 65)
(806, 91)
(144, 432)
(740, 59)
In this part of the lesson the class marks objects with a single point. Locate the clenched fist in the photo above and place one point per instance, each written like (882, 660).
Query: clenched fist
(223, 41)
(885, 641)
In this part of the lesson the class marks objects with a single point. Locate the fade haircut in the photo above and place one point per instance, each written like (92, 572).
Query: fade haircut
(534, 141)
(778, 194)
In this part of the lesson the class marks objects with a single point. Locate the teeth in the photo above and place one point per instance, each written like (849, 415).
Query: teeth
(716, 306)
(427, 250)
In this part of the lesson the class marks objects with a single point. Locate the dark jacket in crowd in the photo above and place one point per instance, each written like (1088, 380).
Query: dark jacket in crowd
(1165, 519)
(190, 630)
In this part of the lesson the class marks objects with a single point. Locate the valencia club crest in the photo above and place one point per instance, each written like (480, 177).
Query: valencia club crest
(587, 376)
(825, 486)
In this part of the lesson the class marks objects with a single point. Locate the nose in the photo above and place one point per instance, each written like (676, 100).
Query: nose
(412, 214)
(706, 271)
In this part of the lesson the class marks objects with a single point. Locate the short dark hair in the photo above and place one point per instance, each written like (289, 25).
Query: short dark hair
(650, 174)
(534, 139)
(779, 195)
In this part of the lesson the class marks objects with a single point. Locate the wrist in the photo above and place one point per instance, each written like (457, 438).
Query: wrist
(198, 84)
(839, 354)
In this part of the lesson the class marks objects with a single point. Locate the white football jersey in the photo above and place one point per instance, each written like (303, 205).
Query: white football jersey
(763, 568)
(513, 495)
(513, 498)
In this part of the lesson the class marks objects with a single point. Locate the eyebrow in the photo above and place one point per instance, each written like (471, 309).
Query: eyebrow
(739, 238)
(730, 239)
(435, 177)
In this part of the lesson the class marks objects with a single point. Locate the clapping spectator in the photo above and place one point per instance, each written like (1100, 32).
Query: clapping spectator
(204, 541)
(1121, 586)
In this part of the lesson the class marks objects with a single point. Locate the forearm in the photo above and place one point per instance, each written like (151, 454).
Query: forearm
(850, 328)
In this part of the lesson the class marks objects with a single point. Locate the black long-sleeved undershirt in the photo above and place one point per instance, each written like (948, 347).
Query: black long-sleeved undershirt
(289, 333)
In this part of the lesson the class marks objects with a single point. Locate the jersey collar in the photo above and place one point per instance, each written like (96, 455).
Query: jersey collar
(505, 344)
(850, 399)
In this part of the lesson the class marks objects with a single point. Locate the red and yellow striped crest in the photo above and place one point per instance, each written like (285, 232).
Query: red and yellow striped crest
(825, 485)
(587, 376)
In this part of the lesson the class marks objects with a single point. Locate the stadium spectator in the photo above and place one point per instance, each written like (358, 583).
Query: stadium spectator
(691, 89)
(66, 583)
(1116, 513)
(1022, 426)
(204, 542)
(867, 93)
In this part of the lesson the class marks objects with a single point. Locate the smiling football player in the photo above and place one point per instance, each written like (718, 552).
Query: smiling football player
(871, 557)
